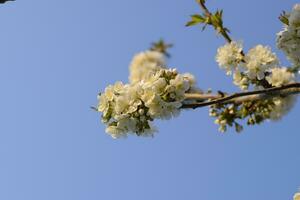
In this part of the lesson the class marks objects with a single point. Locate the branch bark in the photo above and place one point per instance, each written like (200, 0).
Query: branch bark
(4, 1)
(238, 98)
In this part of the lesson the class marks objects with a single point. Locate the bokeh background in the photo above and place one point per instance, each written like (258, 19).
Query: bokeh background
(55, 56)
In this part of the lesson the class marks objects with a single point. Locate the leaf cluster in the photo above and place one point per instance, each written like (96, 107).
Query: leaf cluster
(284, 18)
(215, 20)
(161, 46)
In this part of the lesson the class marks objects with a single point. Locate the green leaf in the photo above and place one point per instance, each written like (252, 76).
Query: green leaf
(284, 18)
(161, 46)
(196, 19)
(204, 27)
(191, 23)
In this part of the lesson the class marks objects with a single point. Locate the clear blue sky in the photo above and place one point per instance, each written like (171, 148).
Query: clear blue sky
(55, 56)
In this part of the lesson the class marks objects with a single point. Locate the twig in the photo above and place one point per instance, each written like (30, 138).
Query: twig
(222, 30)
(4, 1)
(208, 14)
(290, 89)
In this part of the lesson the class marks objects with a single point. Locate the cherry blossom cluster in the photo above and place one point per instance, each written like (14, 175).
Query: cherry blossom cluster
(288, 40)
(154, 92)
(260, 68)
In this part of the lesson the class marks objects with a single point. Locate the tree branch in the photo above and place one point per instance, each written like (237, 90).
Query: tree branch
(3, 1)
(237, 98)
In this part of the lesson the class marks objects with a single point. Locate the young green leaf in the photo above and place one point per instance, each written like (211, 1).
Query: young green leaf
(284, 18)
(196, 19)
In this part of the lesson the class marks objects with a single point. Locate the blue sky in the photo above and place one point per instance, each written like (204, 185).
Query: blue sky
(56, 56)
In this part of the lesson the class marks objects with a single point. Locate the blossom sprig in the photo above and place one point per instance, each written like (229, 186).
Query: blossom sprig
(154, 92)
(210, 19)
(288, 40)
(248, 69)
(258, 69)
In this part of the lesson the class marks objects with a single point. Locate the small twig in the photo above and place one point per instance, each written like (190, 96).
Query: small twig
(4, 1)
(290, 89)
(208, 14)
(222, 31)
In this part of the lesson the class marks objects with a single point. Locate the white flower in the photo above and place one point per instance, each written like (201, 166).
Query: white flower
(180, 85)
(280, 76)
(145, 64)
(190, 77)
(259, 60)
(164, 93)
(156, 84)
(160, 109)
(294, 18)
(130, 108)
(282, 107)
(115, 132)
(288, 40)
(240, 80)
(192, 82)
(229, 56)
(106, 100)
(297, 196)
(103, 104)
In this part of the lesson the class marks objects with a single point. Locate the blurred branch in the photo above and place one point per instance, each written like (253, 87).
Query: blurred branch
(161, 46)
(3, 1)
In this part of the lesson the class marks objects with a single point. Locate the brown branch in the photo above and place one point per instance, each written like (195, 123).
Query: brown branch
(3, 1)
(290, 89)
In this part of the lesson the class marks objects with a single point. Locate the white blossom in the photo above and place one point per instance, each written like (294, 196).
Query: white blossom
(282, 107)
(280, 76)
(288, 40)
(294, 18)
(229, 56)
(297, 196)
(240, 80)
(164, 93)
(259, 60)
(131, 108)
(106, 100)
(222, 123)
(146, 64)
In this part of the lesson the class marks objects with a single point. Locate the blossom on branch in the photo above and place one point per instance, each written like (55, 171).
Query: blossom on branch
(156, 93)
(229, 56)
(146, 64)
(259, 60)
(280, 76)
(288, 40)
